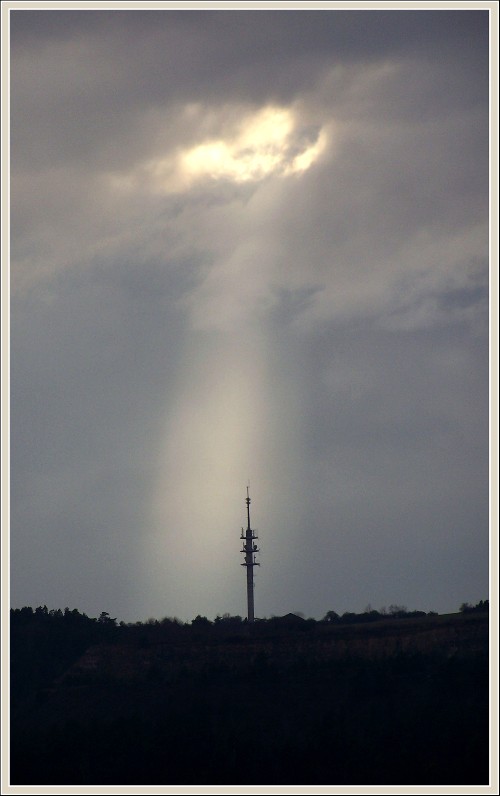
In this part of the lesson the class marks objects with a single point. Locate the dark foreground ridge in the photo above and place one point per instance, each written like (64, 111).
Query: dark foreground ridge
(402, 699)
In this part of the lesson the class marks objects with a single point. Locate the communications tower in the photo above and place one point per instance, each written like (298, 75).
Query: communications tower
(249, 549)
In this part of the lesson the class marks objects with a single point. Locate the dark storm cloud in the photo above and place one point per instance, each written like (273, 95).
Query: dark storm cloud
(117, 64)
(352, 34)
(323, 333)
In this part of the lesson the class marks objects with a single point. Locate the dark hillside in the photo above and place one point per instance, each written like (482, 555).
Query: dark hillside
(393, 701)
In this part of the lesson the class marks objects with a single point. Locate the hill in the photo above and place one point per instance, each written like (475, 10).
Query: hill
(391, 701)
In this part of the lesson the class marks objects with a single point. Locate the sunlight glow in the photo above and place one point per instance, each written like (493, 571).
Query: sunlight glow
(208, 453)
(306, 158)
(210, 448)
(265, 143)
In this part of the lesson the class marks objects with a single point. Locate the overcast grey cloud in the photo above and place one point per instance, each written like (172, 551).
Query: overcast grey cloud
(249, 245)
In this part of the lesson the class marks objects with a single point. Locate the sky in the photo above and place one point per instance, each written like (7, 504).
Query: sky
(249, 248)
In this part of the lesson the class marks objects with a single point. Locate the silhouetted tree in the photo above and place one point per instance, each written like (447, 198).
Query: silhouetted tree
(105, 619)
(200, 622)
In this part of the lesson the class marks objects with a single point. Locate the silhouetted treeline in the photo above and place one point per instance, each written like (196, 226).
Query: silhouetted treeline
(70, 627)
(482, 605)
(400, 700)
(73, 618)
(44, 643)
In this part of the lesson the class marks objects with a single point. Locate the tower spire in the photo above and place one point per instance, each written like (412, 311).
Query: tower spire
(249, 548)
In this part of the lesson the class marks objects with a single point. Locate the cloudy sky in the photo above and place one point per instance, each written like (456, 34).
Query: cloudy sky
(249, 247)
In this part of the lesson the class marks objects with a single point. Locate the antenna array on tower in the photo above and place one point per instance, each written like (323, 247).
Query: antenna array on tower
(249, 549)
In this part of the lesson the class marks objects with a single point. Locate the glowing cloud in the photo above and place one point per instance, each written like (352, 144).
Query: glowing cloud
(265, 143)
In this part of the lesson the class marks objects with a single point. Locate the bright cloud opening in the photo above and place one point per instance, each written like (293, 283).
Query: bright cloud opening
(267, 141)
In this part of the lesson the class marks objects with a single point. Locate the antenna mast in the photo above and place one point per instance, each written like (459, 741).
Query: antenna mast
(249, 549)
